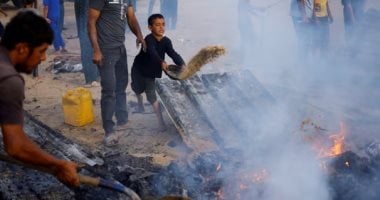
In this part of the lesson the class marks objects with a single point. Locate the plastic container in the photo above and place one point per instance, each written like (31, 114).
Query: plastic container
(77, 107)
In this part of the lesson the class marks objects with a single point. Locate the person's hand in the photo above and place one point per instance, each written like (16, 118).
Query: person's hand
(48, 20)
(97, 57)
(66, 172)
(164, 66)
(142, 42)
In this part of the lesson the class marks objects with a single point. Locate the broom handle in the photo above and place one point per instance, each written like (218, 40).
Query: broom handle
(88, 180)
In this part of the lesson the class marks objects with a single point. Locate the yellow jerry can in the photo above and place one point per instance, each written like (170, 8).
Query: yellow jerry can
(77, 107)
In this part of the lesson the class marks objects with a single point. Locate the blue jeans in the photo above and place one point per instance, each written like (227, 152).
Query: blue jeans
(58, 42)
(114, 80)
(89, 68)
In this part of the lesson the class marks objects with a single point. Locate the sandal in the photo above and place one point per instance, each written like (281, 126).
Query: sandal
(111, 140)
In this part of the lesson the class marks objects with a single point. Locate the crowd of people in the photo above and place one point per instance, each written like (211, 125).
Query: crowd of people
(311, 20)
(101, 29)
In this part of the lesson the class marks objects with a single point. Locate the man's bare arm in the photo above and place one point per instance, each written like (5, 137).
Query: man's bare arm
(134, 25)
(20, 147)
(93, 16)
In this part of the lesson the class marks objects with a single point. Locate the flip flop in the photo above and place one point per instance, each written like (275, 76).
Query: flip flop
(111, 140)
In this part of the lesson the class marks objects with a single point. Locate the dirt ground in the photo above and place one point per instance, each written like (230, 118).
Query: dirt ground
(44, 101)
(44, 93)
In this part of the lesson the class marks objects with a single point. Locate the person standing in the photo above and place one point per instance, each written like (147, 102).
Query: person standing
(52, 14)
(322, 19)
(106, 27)
(300, 11)
(26, 38)
(353, 13)
(90, 70)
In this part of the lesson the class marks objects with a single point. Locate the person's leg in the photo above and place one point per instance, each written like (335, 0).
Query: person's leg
(175, 14)
(89, 68)
(150, 8)
(152, 98)
(171, 14)
(62, 14)
(58, 42)
(57, 35)
(108, 84)
(121, 73)
(138, 86)
(157, 110)
(140, 105)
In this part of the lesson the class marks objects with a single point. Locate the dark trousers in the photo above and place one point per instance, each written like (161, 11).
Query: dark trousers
(114, 81)
(90, 70)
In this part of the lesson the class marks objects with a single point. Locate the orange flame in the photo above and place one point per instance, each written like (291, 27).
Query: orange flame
(337, 140)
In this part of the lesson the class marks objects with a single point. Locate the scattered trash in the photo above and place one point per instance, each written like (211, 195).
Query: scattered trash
(65, 67)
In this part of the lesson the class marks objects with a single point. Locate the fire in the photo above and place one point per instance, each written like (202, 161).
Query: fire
(325, 146)
(337, 140)
(242, 184)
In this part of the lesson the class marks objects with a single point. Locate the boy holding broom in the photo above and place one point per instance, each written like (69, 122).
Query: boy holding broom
(148, 65)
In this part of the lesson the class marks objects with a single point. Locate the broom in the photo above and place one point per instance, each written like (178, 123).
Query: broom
(204, 56)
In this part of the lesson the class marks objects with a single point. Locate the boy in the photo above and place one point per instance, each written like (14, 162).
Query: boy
(149, 64)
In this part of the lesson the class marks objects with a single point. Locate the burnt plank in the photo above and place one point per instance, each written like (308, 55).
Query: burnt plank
(189, 121)
(198, 93)
(252, 90)
(240, 110)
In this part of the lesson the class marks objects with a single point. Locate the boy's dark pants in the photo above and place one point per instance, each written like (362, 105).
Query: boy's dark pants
(142, 84)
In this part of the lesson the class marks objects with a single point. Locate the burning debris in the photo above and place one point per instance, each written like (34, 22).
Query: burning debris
(354, 177)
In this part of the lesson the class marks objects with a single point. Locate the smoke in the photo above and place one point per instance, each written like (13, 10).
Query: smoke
(335, 86)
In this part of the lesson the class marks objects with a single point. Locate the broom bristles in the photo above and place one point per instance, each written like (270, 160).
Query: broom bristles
(204, 56)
